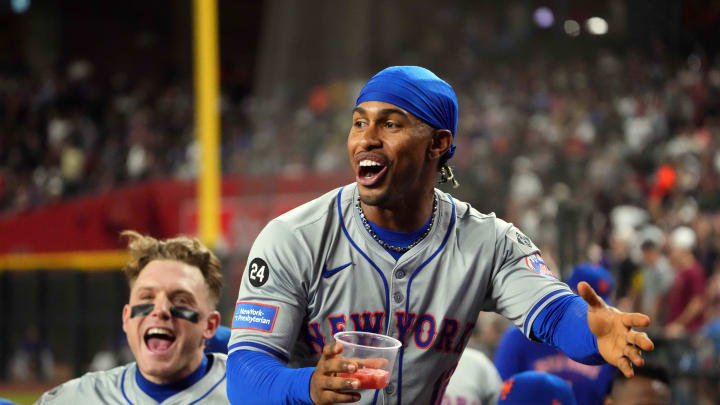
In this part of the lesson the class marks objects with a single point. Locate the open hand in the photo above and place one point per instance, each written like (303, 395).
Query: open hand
(618, 343)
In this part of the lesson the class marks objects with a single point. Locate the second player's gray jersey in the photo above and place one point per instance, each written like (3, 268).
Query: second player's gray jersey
(118, 386)
(315, 271)
(475, 381)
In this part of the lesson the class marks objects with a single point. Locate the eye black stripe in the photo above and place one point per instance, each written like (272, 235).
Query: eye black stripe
(141, 310)
(184, 313)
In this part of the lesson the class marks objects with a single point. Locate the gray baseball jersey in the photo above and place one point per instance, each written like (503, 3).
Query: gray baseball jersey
(118, 386)
(316, 270)
(476, 381)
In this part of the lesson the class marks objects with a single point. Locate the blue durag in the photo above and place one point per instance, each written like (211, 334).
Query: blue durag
(418, 91)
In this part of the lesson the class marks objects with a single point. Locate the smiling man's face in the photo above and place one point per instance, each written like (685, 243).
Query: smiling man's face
(388, 149)
(168, 348)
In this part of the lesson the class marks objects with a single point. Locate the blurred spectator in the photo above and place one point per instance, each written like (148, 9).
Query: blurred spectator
(650, 385)
(686, 296)
(712, 311)
(657, 277)
(623, 267)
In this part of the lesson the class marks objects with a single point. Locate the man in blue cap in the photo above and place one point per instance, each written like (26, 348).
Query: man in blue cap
(515, 353)
(391, 254)
(532, 387)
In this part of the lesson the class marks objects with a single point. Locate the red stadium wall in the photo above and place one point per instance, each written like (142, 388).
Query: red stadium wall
(160, 208)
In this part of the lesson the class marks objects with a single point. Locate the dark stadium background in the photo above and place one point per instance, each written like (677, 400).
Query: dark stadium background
(96, 136)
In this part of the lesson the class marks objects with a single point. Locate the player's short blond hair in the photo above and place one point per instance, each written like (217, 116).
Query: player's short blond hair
(144, 249)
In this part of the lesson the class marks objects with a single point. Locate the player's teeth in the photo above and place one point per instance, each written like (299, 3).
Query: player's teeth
(365, 163)
(158, 331)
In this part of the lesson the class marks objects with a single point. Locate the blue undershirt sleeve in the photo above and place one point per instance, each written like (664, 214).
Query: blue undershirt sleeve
(563, 324)
(257, 378)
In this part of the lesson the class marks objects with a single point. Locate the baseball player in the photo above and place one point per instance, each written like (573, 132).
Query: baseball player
(533, 387)
(393, 255)
(174, 288)
(590, 383)
(474, 382)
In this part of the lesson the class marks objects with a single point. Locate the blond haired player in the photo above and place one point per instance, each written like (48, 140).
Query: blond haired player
(174, 288)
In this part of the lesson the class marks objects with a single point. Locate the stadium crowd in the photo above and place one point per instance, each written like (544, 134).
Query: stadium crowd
(609, 158)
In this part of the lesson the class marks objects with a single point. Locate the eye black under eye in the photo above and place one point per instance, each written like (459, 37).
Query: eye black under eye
(141, 310)
(184, 313)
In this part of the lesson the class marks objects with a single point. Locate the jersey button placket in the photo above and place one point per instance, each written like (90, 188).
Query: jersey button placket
(390, 389)
(398, 282)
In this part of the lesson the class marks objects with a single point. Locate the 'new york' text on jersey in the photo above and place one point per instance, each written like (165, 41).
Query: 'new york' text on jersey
(315, 271)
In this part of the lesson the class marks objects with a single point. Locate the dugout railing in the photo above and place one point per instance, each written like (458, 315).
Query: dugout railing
(68, 313)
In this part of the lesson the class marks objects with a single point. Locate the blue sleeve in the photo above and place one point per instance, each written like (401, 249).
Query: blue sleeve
(563, 325)
(257, 378)
(219, 342)
(508, 359)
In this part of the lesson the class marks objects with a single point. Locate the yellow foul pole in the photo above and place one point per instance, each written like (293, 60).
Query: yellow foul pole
(207, 118)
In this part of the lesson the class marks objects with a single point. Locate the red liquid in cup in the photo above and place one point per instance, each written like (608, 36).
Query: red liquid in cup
(372, 378)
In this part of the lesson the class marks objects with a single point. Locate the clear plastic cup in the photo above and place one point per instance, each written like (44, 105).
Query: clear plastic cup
(374, 354)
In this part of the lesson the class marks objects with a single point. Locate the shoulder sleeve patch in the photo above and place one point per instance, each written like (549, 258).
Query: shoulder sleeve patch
(255, 316)
(521, 241)
(536, 263)
(258, 272)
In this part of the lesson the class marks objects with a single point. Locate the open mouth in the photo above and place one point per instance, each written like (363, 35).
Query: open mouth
(159, 340)
(370, 172)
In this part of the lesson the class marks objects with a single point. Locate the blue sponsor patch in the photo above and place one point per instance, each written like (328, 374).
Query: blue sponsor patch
(255, 316)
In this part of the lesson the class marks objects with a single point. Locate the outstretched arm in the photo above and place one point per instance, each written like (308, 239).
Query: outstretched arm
(563, 324)
(618, 343)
